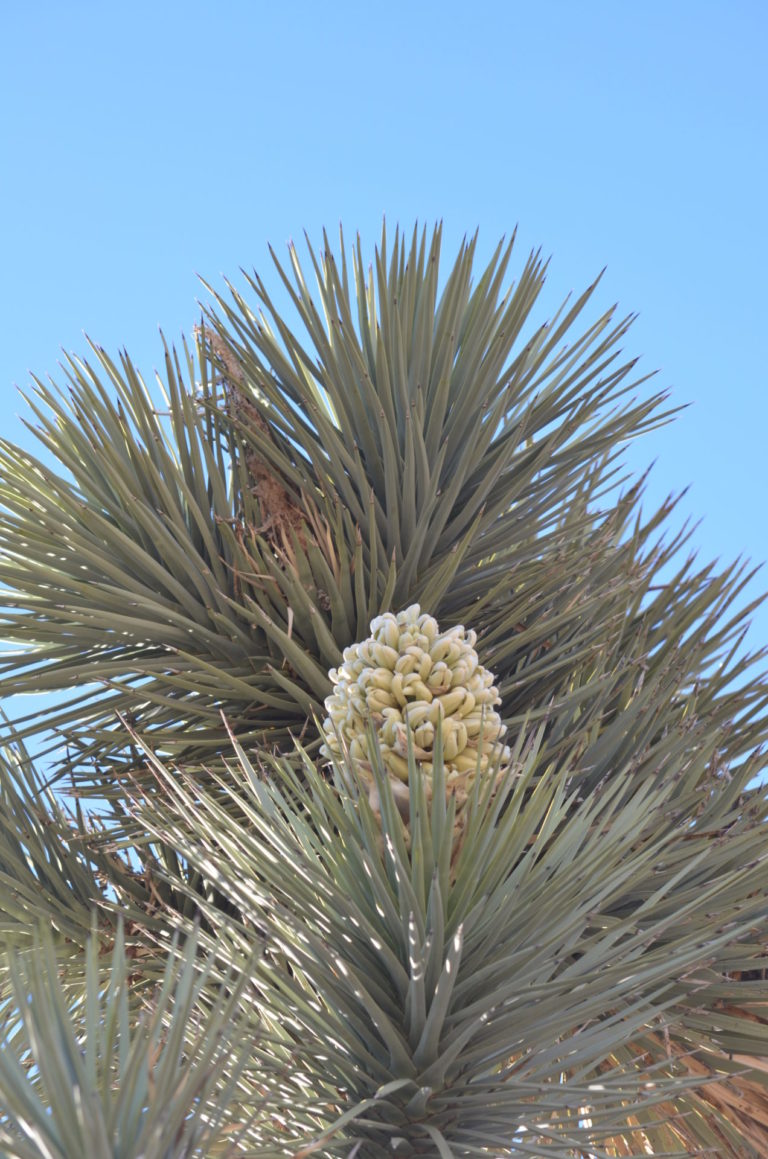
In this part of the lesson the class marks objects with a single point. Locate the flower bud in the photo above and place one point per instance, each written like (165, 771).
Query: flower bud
(408, 679)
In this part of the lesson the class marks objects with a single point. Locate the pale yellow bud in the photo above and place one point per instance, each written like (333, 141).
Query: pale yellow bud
(397, 688)
(416, 689)
(397, 765)
(450, 742)
(407, 663)
(441, 650)
(388, 731)
(424, 734)
(439, 679)
(436, 713)
(416, 713)
(391, 633)
(468, 704)
(450, 702)
(378, 699)
(385, 656)
(466, 762)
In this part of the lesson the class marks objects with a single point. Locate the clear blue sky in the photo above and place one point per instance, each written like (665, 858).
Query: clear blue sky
(142, 143)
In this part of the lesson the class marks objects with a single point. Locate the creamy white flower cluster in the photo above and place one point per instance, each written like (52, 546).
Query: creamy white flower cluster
(406, 678)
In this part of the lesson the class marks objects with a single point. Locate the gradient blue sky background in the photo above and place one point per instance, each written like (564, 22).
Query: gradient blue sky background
(142, 143)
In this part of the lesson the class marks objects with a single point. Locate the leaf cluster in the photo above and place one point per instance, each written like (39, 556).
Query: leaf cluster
(572, 965)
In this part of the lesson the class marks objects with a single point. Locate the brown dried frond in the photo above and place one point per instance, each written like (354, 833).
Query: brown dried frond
(286, 521)
(280, 514)
(740, 1099)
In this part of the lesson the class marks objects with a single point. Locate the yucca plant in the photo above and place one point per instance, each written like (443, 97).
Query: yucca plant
(392, 733)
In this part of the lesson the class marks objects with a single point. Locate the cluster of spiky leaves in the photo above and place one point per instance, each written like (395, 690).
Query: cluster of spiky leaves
(584, 974)
(415, 456)
(120, 1079)
(519, 998)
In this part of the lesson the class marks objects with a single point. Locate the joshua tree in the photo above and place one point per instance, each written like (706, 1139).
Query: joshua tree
(403, 793)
